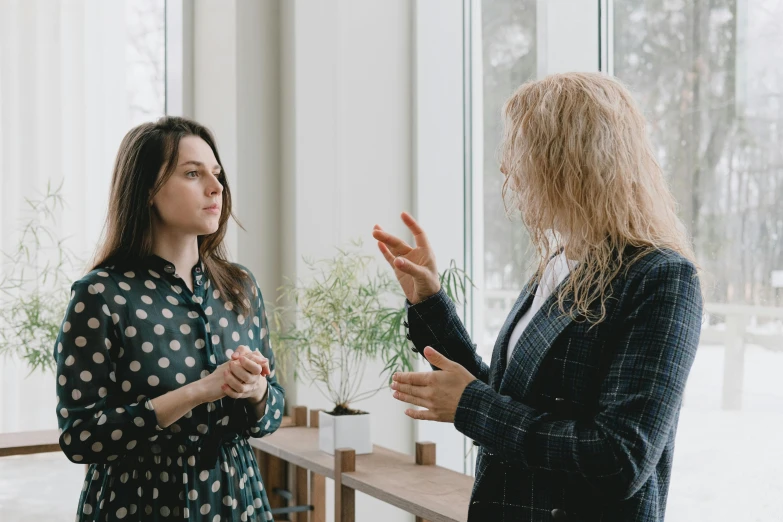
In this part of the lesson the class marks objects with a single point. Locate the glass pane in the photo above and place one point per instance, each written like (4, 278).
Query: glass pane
(709, 76)
(509, 59)
(145, 56)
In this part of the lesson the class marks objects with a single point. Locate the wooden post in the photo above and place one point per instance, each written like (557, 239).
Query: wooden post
(344, 497)
(300, 492)
(317, 484)
(317, 497)
(298, 474)
(314, 422)
(273, 473)
(425, 453)
(425, 456)
(300, 416)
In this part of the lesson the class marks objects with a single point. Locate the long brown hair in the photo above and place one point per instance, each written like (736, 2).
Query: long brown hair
(578, 159)
(146, 151)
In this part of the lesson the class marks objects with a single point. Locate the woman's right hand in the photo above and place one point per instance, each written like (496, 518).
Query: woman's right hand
(414, 266)
(210, 387)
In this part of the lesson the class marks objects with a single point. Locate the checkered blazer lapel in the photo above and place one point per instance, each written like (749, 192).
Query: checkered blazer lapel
(498, 363)
(538, 337)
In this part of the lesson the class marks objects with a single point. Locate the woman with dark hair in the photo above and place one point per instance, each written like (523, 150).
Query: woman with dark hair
(164, 367)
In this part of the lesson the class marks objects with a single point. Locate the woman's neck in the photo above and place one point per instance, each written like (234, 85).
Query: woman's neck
(179, 249)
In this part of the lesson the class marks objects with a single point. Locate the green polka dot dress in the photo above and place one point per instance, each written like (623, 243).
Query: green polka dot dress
(132, 333)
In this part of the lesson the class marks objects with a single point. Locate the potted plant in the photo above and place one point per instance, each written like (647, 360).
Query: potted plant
(34, 289)
(336, 321)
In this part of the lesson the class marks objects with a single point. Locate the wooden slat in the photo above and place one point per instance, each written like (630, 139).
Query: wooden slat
(29, 442)
(47, 441)
(314, 419)
(273, 473)
(300, 416)
(425, 456)
(298, 446)
(318, 497)
(301, 497)
(425, 453)
(344, 496)
(429, 492)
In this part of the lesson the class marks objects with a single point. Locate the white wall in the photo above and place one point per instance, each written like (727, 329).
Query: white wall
(311, 103)
(348, 156)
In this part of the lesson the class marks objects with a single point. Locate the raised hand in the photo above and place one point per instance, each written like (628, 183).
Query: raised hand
(439, 392)
(414, 266)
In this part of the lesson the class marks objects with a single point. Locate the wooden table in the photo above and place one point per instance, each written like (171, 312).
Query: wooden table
(29, 442)
(414, 484)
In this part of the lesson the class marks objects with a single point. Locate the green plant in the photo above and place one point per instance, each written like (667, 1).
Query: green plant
(34, 286)
(341, 318)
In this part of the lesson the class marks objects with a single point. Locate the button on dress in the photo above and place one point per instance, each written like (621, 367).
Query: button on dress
(134, 331)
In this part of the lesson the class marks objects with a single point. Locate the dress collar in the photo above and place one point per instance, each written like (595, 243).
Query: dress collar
(164, 266)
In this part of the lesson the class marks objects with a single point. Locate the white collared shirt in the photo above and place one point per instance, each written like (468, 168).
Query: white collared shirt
(555, 272)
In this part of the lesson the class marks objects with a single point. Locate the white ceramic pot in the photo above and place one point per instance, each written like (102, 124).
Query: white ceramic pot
(344, 431)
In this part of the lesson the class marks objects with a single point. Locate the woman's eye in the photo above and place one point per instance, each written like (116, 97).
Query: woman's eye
(192, 174)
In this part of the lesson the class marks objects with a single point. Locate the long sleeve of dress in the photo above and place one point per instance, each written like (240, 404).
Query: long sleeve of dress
(275, 400)
(96, 425)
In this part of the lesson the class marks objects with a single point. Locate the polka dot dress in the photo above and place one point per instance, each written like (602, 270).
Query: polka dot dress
(132, 333)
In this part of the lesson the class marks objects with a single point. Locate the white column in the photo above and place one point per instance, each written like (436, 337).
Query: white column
(443, 90)
(347, 93)
(236, 94)
(215, 81)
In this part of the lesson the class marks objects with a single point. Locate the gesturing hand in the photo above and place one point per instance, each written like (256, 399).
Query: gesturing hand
(245, 377)
(438, 391)
(414, 266)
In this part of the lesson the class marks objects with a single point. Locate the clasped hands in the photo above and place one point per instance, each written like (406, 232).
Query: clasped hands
(244, 375)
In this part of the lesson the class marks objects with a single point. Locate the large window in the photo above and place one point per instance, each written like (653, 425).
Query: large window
(709, 77)
(74, 78)
(509, 58)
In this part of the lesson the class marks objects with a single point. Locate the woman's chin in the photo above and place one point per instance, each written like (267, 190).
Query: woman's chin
(208, 230)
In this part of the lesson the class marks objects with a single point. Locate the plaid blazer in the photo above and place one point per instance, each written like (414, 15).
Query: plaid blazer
(580, 424)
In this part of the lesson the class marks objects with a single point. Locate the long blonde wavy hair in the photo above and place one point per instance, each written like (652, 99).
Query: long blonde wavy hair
(580, 170)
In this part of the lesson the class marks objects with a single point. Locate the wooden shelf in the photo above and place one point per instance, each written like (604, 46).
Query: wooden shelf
(430, 492)
(47, 441)
(299, 446)
(414, 484)
(29, 442)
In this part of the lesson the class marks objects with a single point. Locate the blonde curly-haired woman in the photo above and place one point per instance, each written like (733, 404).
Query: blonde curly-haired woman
(577, 413)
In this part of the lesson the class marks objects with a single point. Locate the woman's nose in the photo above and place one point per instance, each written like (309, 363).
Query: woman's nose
(215, 187)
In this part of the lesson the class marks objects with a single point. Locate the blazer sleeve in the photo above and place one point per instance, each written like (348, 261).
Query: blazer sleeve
(615, 451)
(434, 322)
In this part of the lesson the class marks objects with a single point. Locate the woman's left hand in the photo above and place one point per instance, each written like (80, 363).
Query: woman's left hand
(438, 391)
(246, 375)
